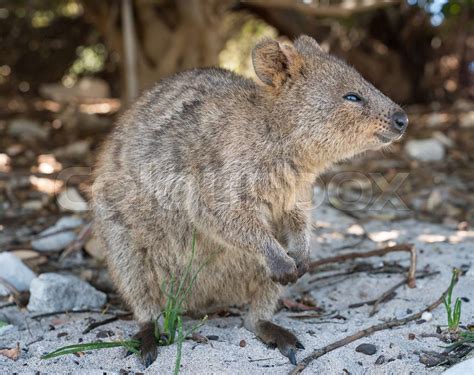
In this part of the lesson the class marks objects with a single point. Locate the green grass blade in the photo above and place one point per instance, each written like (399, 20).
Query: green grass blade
(457, 312)
(193, 279)
(188, 267)
(179, 347)
(131, 345)
(453, 312)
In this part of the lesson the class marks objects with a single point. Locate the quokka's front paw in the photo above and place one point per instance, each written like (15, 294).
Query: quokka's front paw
(302, 264)
(283, 270)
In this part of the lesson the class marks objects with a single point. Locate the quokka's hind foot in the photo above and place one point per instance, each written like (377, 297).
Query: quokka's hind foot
(148, 344)
(279, 337)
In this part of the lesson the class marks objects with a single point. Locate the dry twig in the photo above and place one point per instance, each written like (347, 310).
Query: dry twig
(79, 242)
(19, 298)
(378, 252)
(94, 325)
(389, 294)
(60, 312)
(364, 333)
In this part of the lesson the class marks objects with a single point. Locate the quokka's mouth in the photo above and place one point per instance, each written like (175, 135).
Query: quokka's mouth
(384, 138)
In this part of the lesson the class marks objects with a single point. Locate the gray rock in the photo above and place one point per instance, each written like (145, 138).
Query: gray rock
(425, 149)
(54, 292)
(380, 360)
(27, 129)
(13, 270)
(463, 368)
(368, 349)
(57, 237)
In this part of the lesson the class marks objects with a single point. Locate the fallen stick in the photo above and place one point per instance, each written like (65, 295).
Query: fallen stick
(66, 312)
(81, 311)
(358, 269)
(367, 332)
(388, 294)
(20, 299)
(94, 325)
(379, 252)
(79, 242)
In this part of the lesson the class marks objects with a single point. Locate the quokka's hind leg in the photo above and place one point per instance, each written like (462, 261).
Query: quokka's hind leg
(148, 343)
(258, 321)
(131, 270)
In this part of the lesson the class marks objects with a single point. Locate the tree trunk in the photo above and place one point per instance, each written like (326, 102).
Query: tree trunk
(171, 35)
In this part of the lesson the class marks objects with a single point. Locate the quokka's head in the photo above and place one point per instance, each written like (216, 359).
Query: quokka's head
(326, 103)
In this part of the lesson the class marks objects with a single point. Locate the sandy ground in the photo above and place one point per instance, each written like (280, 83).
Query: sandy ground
(226, 355)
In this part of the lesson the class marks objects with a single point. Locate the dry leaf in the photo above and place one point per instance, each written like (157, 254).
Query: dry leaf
(31, 257)
(199, 338)
(13, 353)
(25, 254)
(293, 305)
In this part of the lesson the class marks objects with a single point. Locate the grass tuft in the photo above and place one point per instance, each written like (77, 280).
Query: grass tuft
(171, 330)
(453, 312)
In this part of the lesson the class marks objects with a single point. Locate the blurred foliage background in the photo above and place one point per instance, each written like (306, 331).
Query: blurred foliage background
(414, 50)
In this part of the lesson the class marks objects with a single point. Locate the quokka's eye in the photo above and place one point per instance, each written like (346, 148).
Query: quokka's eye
(352, 97)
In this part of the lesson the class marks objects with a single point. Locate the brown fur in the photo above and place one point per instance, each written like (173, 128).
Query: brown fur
(210, 151)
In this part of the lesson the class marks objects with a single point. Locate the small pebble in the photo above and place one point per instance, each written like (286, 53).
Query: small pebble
(368, 349)
(104, 334)
(411, 336)
(427, 316)
(212, 337)
(242, 343)
(380, 360)
(430, 360)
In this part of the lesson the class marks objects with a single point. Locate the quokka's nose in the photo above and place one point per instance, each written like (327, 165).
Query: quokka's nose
(399, 121)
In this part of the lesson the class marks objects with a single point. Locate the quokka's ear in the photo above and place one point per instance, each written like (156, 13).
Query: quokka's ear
(308, 46)
(275, 62)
